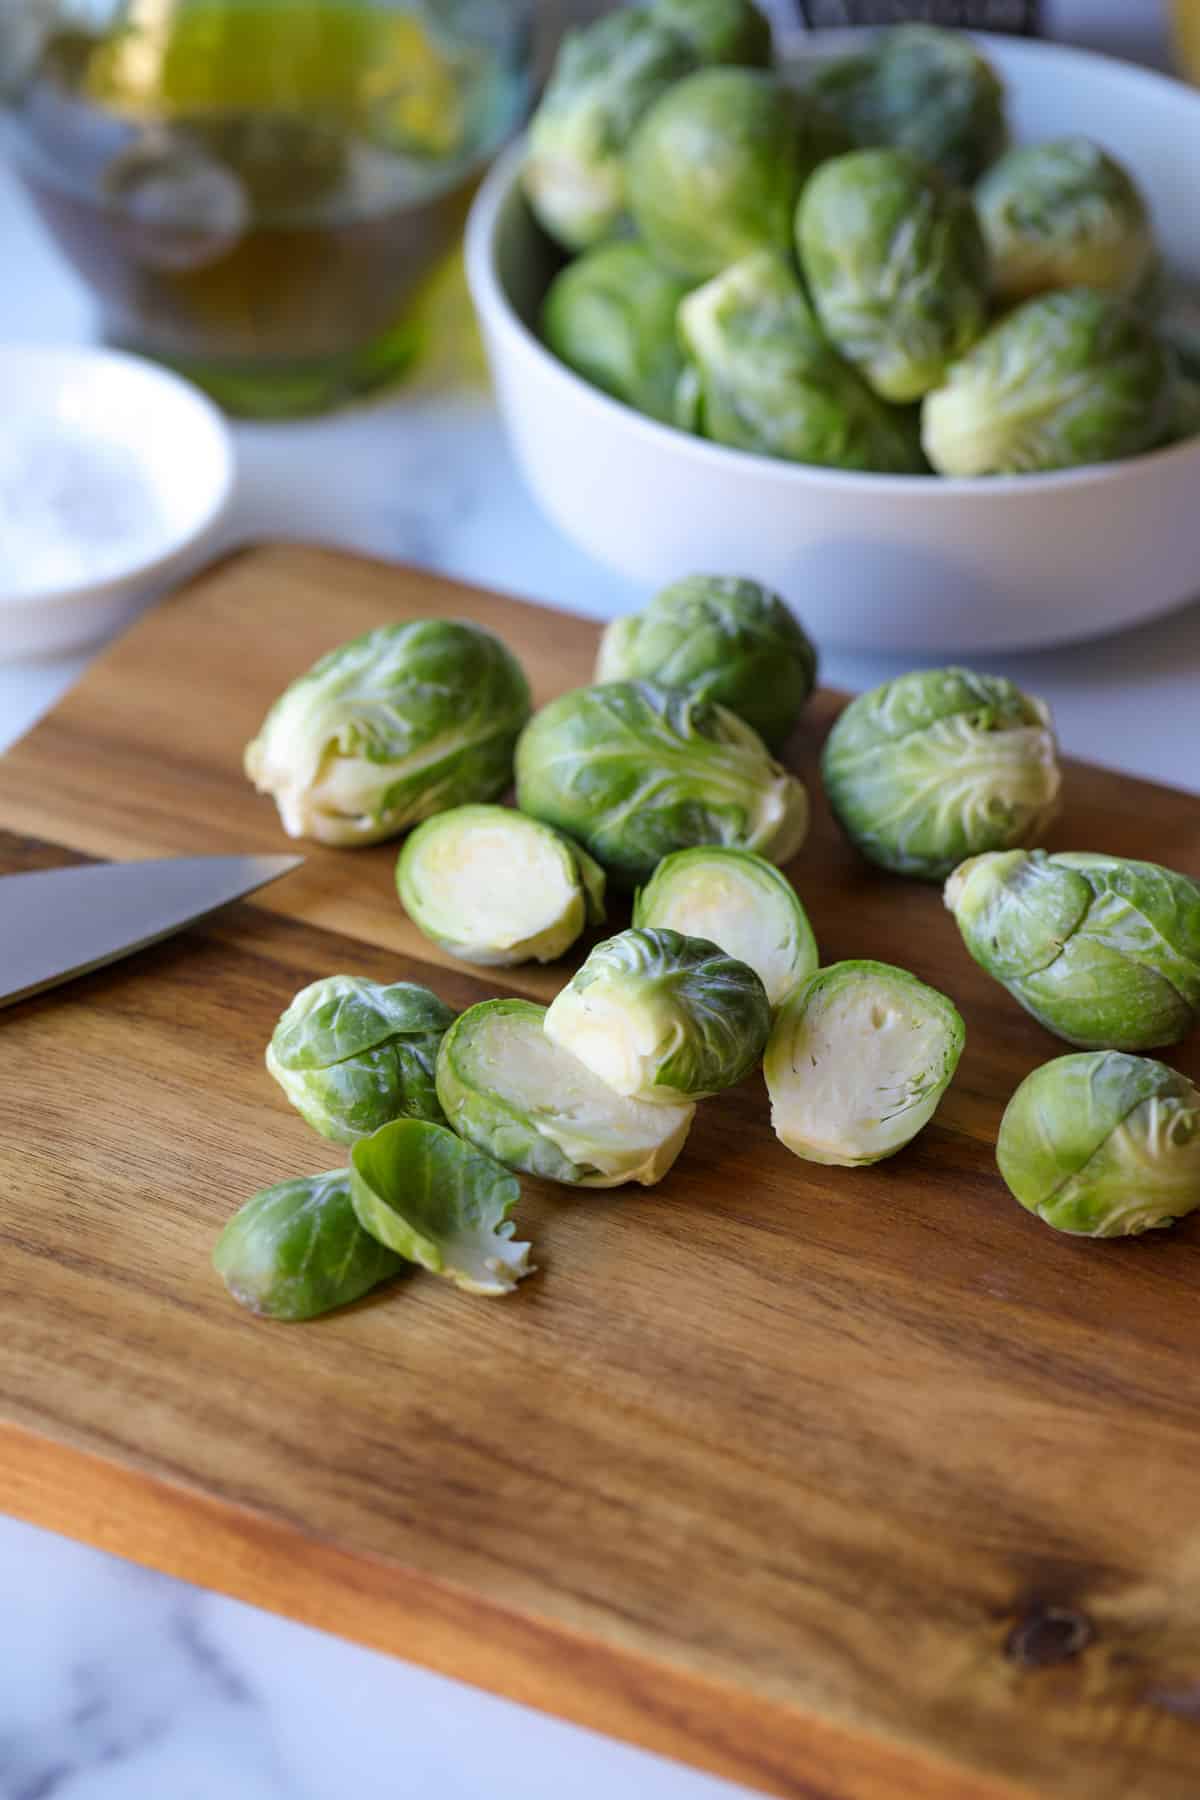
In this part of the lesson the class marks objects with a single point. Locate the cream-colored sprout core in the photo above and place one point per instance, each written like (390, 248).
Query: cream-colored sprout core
(735, 913)
(622, 1045)
(493, 887)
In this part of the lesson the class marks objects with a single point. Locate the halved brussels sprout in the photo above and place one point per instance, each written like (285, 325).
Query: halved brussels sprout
(495, 887)
(1103, 951)
(1070, 378)
(633, 772)
(940, 765)
(526, 1101)
(922, 89)
(389, 728)
(858, 1059)
(716, 637)
(896, 267)
(296, 1250)
(432, 1199)
(720, 31)
(1063, 214)
(737, 900)
(607, 74)
(1103, 1144)
(610, 316)
(351, 1055)
(770, 382)
(662, 1018)
(716, 164)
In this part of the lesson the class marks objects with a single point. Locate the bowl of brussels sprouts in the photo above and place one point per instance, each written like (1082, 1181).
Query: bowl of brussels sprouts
(908, 326)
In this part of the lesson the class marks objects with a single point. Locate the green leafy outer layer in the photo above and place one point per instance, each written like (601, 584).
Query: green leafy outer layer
(610, 316)
(940, 765)
(297, 1249)
(720, 31)
(431, 1198)
(633, 772)
(1102, 950)
(1103, 1144)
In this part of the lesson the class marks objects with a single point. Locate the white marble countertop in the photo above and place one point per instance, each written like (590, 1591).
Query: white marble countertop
(119, 1684)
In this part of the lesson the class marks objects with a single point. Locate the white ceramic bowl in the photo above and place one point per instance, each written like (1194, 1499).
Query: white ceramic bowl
(879, 562)
(125, 457)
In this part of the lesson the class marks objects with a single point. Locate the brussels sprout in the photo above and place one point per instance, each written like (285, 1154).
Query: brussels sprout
(769, 381)
(716, 637)
(351, 1055)
(605, 77)
(1063, 214)
(661, 1017)
(925, 90)
(938, 766)
(720, 31)
(389, 728)
(858, 1059)
(1104, 952)
(634, 772)
(431, 1198)
(610, 316)
(524, 1100)
(1103, 1144)
(1185, 419)
(716, 164)
(896, 267)
(296, 1250)
(1175, 311)
(735, 899)
(495, 887)
(1070, 378)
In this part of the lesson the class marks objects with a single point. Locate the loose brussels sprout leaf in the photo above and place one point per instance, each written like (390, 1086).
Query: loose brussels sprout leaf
(605, 77)
(858, 1059)
(527, 1102)
(661, 1017)
(734, 899)
(495, 887)
(389, 728)
(297, 1250)
(720, 31)
(940, 765)
(431, 1198)
(896, 267)
(351, 1055)
(1103, 1144)
(610, 316)
(771, 383)
(633, 772)
(1070, 378)
(716, 637)
(715, 166)
(1063, 214)
(924, 90)
(1103, 951)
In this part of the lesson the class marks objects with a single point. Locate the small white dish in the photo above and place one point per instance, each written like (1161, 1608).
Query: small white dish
(112, 473)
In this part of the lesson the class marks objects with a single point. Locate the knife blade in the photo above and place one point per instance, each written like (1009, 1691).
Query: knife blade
(58, 923)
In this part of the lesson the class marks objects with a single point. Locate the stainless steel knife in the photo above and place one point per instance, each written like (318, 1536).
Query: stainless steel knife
(58, 923)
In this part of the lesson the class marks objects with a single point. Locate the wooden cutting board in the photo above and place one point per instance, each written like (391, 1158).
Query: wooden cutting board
(839, 1483)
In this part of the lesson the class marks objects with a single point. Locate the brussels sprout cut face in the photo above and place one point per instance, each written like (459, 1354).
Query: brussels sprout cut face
(1103, 1144)
(740, 902)
(661, 1017)
(633, 772)
(610, 316)
(938, 766)
(297, 1250)
(495, 887)
(716, 637)
(351, 1055)
(858, 1060)
(1063, 214)
(390, 728)
(1103, 951)
(433, 1200)
(527, 1102)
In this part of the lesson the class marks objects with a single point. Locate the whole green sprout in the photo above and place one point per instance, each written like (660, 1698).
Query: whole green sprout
(610, 316)
(720, 31)
(1103, 1144)
(1102, 950)
(896, 268)
(297, 1250)
(718, 637)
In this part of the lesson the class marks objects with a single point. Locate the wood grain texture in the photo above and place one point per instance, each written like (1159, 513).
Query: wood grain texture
(839, 1482)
